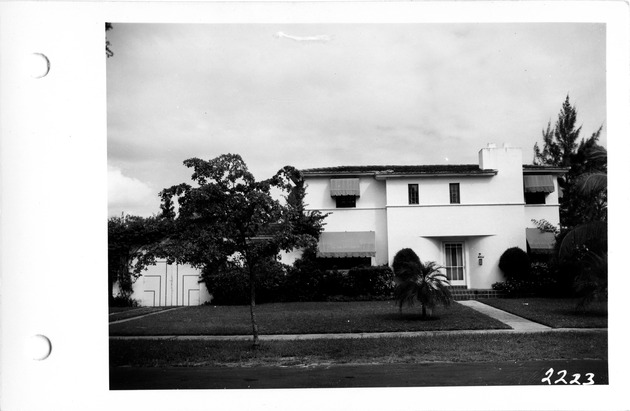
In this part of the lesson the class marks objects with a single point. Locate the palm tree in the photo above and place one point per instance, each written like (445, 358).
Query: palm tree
(420, 282)
(587, 244)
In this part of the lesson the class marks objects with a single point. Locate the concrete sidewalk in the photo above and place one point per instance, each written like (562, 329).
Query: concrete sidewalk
(517, 324)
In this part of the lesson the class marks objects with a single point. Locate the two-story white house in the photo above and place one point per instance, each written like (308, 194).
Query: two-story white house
(461, 216)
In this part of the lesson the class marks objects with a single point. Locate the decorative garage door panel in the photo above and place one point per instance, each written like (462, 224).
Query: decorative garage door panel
(170, 285)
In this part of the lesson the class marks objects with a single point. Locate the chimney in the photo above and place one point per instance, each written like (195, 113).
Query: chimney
(492, 157)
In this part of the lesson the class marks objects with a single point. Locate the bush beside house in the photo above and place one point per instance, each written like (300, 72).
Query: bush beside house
(304, 281)
(542, 281)
(515, 264)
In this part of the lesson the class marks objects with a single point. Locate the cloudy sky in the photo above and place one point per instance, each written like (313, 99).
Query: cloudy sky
(325, 95)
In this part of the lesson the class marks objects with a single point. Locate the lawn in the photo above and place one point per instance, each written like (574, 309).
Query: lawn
(555, 313)
(304, 318)
(439, 348)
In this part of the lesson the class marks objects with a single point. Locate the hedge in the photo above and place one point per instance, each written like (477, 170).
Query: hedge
(303, 282)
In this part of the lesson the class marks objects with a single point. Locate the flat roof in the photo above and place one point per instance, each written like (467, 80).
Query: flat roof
(441, 170)
(398, 170)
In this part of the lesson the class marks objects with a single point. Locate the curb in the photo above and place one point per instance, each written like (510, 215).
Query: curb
(296, 337)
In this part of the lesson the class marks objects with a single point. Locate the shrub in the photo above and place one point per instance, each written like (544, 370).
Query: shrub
(544, 278)
(304, 281)
(271, 279)
(370, 281)
(123, 300)
(541, 282)
(515, 264)
(229, 285)
(403, 258)
(303, 285)
(334, 283)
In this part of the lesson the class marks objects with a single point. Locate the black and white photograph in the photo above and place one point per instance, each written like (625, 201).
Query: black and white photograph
(313, 205)
(356, 205)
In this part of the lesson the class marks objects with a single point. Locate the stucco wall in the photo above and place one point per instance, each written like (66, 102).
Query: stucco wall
(549, 211)
(507, 185)
(541, 212)
(369, 215)
(318, 193)
(488, 230)
(435, 190)
(490, 218)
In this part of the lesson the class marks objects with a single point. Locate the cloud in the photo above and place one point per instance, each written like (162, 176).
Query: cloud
(129, 195)
(377, 94)
(322, 38)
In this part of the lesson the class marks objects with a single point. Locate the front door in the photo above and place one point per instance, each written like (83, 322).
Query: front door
(454, 263)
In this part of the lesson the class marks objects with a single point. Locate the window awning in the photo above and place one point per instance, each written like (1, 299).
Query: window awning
(347, 244)
(538, 184)
(540, 241)
(344, 187)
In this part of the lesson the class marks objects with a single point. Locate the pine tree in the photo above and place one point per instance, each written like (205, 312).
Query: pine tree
(562, 148)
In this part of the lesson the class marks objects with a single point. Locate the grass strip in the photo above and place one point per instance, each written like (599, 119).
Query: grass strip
(443, 348)
(554, 312)
(305, 318)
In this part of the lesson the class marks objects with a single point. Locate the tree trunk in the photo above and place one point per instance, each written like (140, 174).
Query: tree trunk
(252, 305)
(424, 311)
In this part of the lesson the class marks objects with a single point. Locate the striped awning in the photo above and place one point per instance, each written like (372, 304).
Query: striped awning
(347, 244)
(540, 241)
(538, 184)
(344, 187)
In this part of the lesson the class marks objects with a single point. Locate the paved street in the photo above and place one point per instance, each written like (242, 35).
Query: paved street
(345, 376)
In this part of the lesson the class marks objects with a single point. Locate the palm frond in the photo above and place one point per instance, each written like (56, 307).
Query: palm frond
(593, 234)
(420, 282)
(591, 184)
(597, 152)
(407, 270)
(405, 293)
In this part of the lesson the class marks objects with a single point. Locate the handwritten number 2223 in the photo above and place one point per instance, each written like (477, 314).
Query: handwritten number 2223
(563, 373)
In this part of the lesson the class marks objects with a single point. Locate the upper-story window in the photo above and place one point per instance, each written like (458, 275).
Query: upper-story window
(454, 192)
(535, 198)
(537, 187)
(414, 197)
(345, 191)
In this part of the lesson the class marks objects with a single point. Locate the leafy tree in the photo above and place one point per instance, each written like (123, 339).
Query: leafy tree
(420, 282)
(229, 216)
(129, 237)
(562, 148)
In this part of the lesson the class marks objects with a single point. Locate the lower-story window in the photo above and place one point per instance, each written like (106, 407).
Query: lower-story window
(454, 261)
(343, 263)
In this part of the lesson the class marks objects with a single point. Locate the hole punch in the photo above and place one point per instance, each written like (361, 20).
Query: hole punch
(39, 65)
(39, 347)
